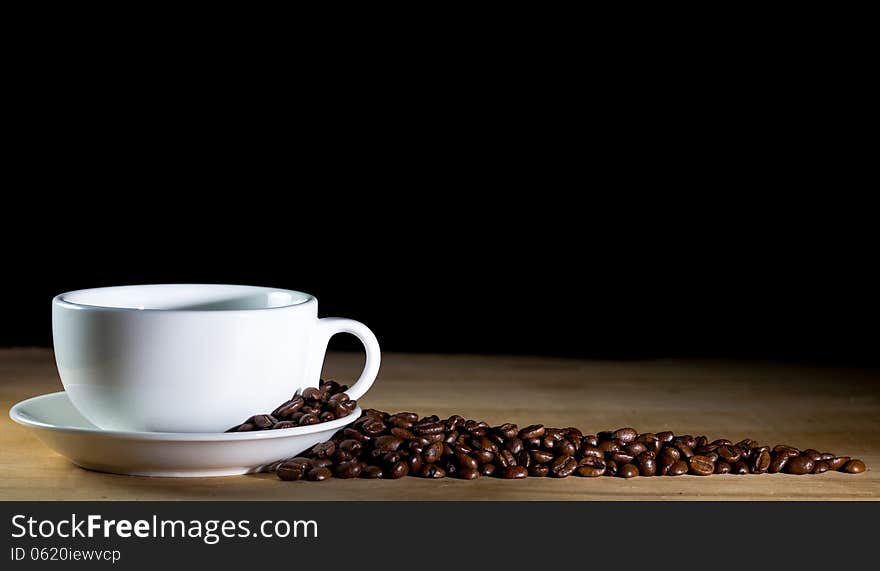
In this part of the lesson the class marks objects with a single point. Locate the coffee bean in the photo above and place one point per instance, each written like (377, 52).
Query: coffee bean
(318, 474)
(730, 454)
(782, 449)
(565, 448)
(432, 471)
(280, 425)
(371, 472)
(483, 456)
(403, 433)
(466, 462)
(621, 457)
(537, 470)
(647, 464)
(778, 463)
(800, 465)
(307, 419)
(351, 445)
(541, 456)
(515, 445)
(812, 454)
(264, 421)
(628, 471)
(523, 459)
(373, 427)
(610, 468)
(760, 462)
(591, 467)
(685, 450)
(625, 435)
(433, 453)
(700, 465)
(504, 459)
(820, 467)
(414, 463)
(739, 468)
(837, 462)
(388, 442)
(468, 473)
(678, 468)
(488, 469)
(425, 428)
(854, 467)
(290, 472)
(722, 467)
(288, 408)
(350, 469)
(508, 431)
(533, 431)
(563, 466)
(634, 448)
(514, 472)
(825, 456)
(592, 451)
(665, 436)
(398, 470)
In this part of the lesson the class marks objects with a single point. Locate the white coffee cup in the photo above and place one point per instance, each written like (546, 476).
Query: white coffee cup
(192, 357)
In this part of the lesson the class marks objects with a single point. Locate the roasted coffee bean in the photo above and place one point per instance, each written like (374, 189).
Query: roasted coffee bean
(508, 431)
(647, 464)
(565, 448)
(318, 474)
(825, 456)
(685, 450)
(327, 416)
(610, 468)
(591, 467)
(760, 461)
(321, 462)
(700, 465)
(432, 471)
(533, 431)
(308, 419)
(800, 465)
(628, 471)
(609, 446)
(312, 393)
(282, 424)
(466, 462)
(541, 456)
(590, 440)
(468, 473)
(665, 436)
(625, 435)
(483, 443)
(288, 408)
(721, 442)
(396, 471)
(563, 466)
(388, 442)
(820, 467)
(264, 421)
(837, 462)
(813, 454)
(739, 468)
(371, 472)
(290, 472)
(730, 454)
(678, 468)
(722, 467)
(414, 463)
(712, 456)
(505, 459)
(538, 470)
(854, 467)
(350, 469)
(777, 464)
(634, 449)
(514, 472)
(433, 453)
(488, 469)
(523, 458)
(782, 449)
(373, 427)
(342, 456)
(592, 451)
(621, 457)
(351, 445)
(483, 456)
(355, 435)
(243, 427)
(426, 428)
(402, 433)
(515, 445)
(573, 434)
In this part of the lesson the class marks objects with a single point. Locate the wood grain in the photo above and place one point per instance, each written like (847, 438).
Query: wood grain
(824, 408)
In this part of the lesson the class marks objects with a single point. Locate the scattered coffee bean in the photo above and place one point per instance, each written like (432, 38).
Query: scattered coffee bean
(391, 446)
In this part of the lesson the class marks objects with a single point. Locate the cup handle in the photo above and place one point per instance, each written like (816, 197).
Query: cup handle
(330, 326)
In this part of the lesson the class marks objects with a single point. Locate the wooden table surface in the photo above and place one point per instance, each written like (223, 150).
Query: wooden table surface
(824, 408)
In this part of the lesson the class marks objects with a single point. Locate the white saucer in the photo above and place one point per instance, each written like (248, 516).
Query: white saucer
(57, 423)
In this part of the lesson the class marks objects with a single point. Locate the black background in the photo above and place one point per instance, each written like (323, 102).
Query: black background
(496, 211)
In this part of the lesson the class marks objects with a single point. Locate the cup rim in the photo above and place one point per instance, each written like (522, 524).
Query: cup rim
(63, 299)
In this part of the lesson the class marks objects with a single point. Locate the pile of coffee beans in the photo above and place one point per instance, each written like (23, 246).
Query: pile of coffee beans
(323, 404)
(383, 445)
